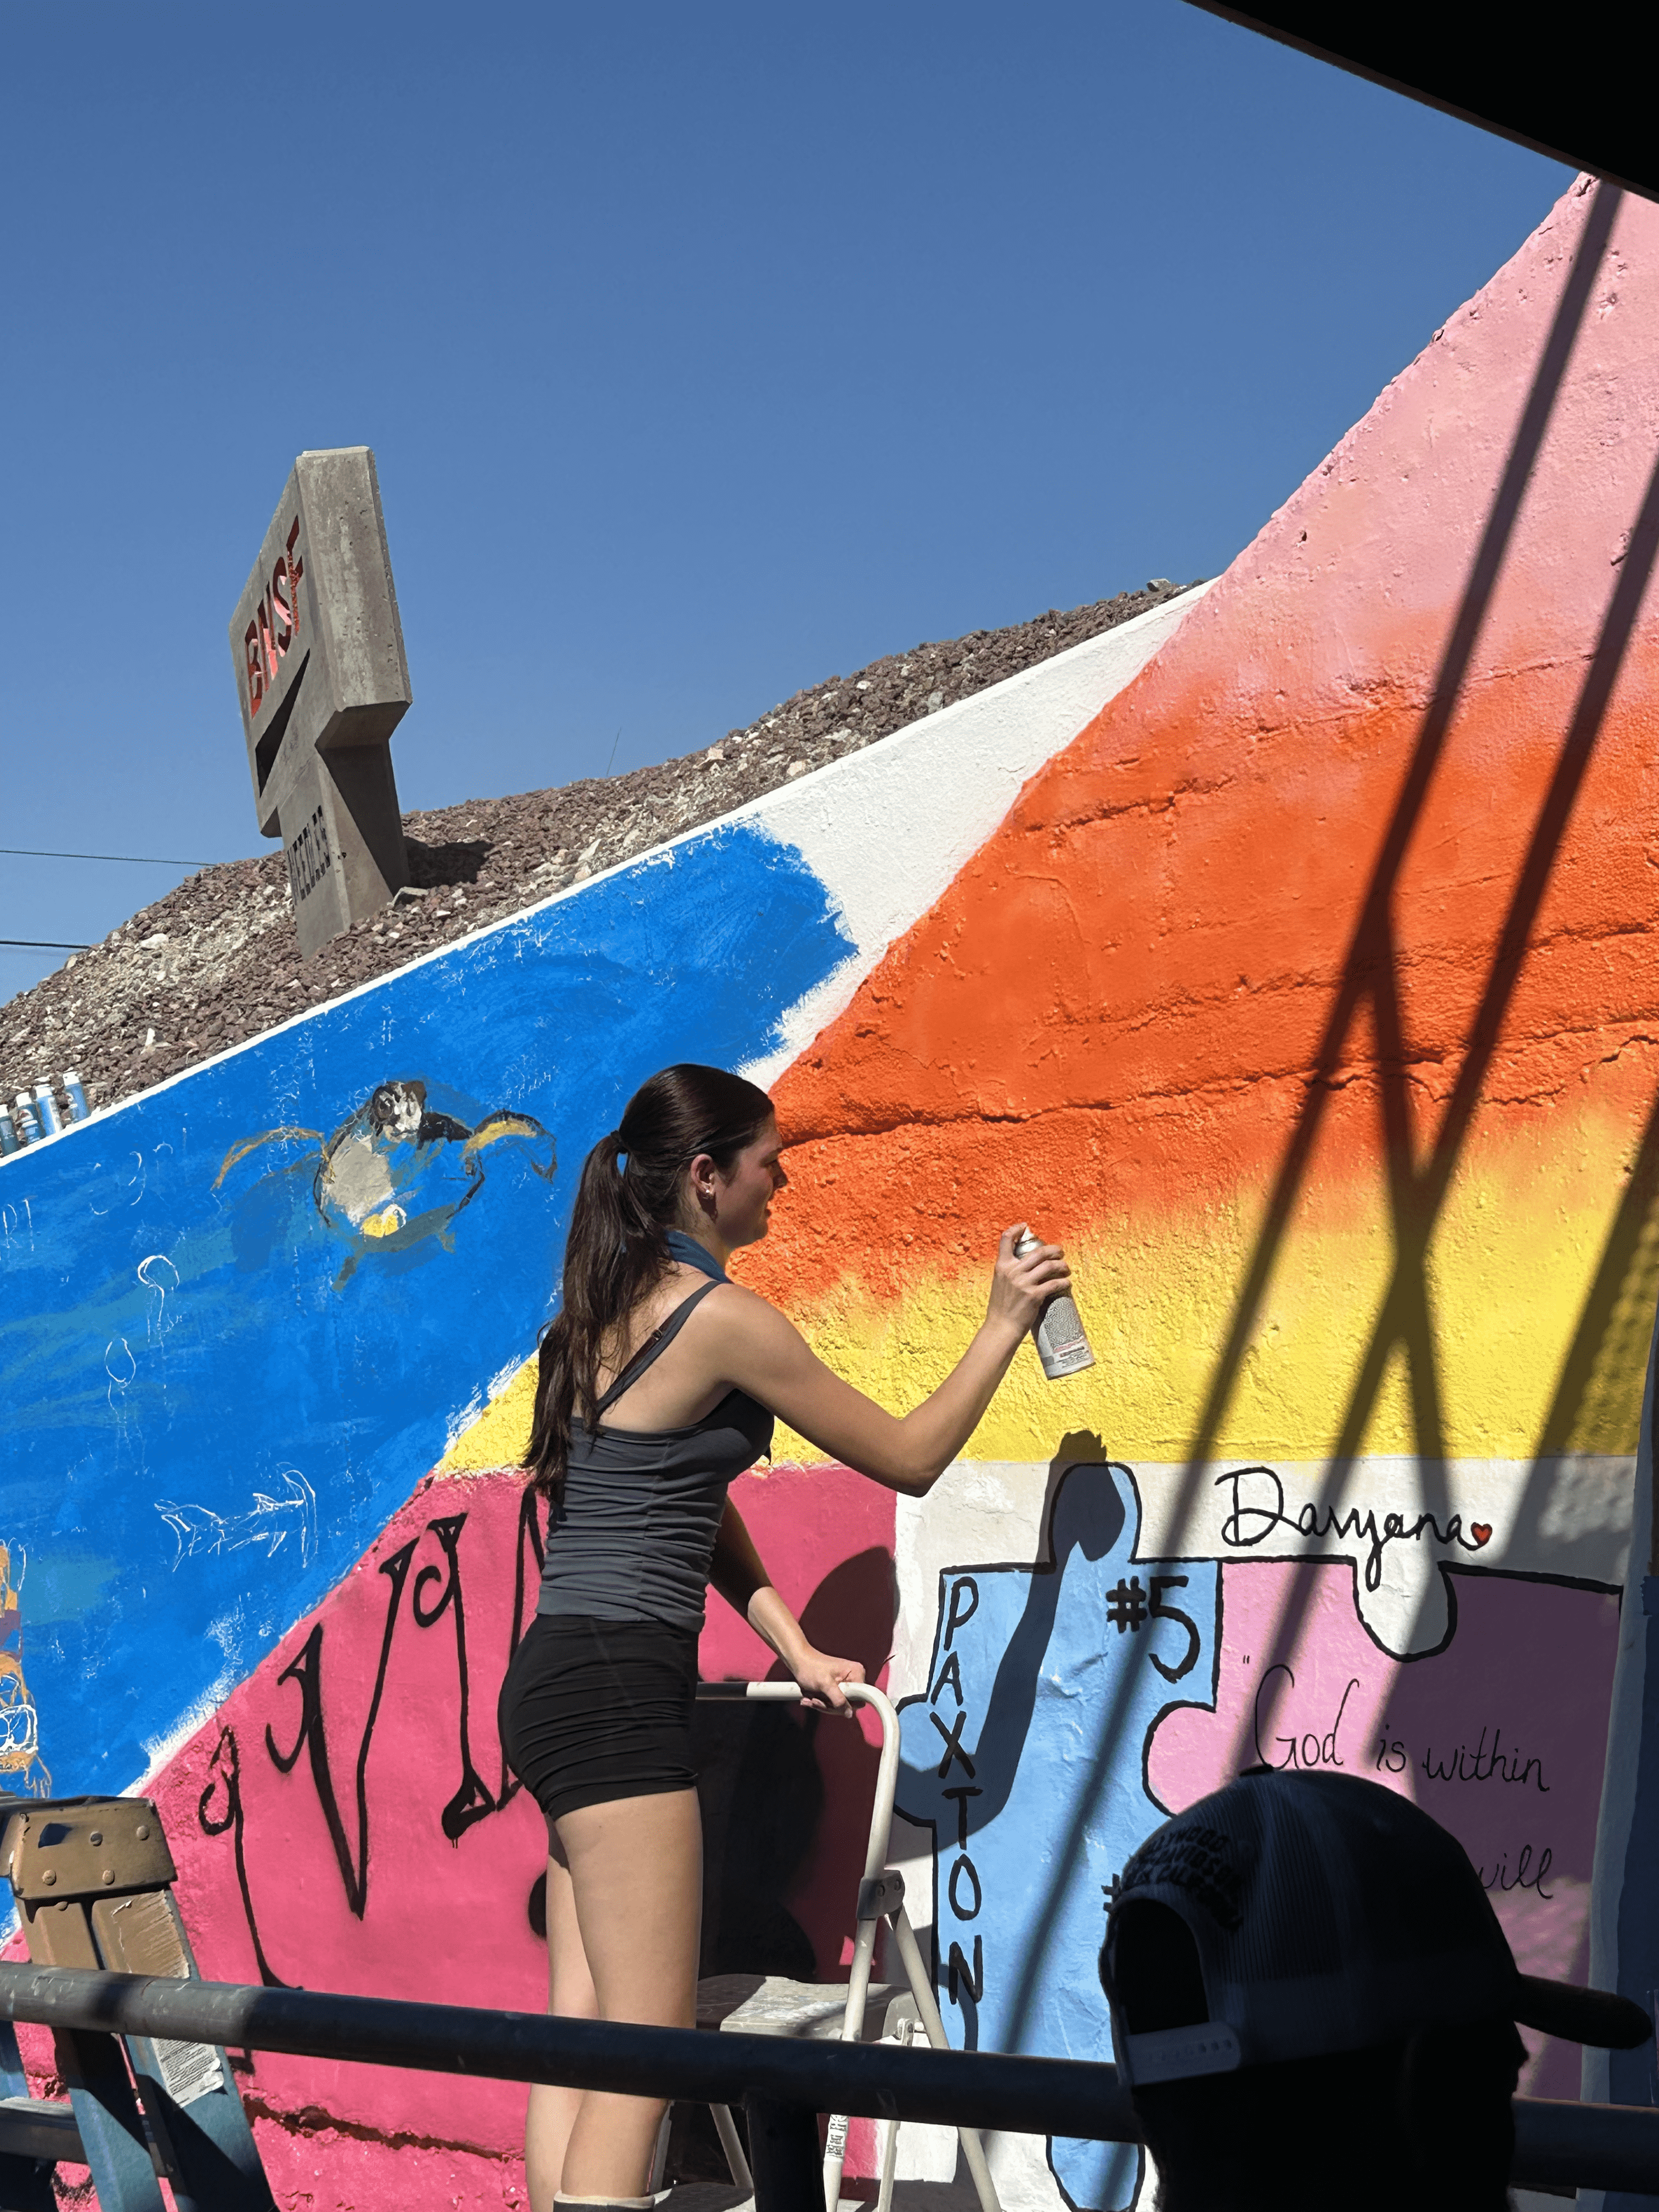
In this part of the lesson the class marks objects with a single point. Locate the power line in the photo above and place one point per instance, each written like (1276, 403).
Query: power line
(138, 860)
(43, 944)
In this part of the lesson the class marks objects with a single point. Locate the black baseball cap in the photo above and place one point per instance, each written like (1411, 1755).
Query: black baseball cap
(1328, 1914)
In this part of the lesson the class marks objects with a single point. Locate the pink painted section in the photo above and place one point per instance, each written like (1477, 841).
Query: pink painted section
(826, 1535)
(319, 2168)
(1501, 1737)
(441, 1920)
(445, 1917)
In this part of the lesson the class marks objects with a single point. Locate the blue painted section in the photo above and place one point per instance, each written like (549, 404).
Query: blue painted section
(1027, 1757)
(217, 1391)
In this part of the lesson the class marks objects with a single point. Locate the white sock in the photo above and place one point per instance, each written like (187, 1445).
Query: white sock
(632, 2203)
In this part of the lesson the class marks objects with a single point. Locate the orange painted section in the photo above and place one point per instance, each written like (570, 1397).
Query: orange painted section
(1165, 964)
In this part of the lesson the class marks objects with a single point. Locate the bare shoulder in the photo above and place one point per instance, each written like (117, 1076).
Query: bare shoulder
(742, 1316)
(733, 1306)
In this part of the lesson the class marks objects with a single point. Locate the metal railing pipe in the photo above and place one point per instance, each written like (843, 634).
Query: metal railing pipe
(950, 2089)
(1557, 2144)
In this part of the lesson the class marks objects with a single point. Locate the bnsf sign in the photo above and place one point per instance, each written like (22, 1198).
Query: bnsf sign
(275, 623)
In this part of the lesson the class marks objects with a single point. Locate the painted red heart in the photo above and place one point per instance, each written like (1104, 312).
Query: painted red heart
(1481, 1531)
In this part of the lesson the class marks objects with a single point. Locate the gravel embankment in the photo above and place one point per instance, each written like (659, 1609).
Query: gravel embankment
(216, 961)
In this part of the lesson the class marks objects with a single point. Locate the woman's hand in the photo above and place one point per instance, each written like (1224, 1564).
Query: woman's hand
(821, 1677)
(1021, 1287)
(751, 1346)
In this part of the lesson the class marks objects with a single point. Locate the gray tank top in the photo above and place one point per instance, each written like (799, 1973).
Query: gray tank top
(634, 1538)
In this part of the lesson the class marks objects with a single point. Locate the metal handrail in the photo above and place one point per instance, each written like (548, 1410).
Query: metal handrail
(1587, 2146)
(875, 2080)
(857, 1693)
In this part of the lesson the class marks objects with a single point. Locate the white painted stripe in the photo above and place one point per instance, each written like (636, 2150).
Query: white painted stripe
(1567, 1516)
(886, 831)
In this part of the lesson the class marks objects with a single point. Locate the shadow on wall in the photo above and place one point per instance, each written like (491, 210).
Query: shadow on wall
(787, 1797)
(1093, 1534)
(1610, 1338)
(997, 1763)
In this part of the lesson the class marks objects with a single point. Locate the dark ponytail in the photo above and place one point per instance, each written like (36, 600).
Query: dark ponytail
(617, 1249)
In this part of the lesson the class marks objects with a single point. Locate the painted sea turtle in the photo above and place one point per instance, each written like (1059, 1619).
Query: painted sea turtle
(397, 1170)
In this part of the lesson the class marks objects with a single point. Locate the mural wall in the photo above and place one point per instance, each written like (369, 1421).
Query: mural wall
(1288, 952)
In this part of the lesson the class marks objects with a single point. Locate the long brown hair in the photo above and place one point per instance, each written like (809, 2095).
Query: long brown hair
(616, 1250)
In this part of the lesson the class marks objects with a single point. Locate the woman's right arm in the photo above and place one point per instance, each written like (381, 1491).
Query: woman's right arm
(766, 1355)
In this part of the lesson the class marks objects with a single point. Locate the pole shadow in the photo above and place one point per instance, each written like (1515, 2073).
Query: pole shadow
(1417, 1189)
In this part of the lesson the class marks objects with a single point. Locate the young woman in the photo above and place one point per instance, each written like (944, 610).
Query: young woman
(659, 1382)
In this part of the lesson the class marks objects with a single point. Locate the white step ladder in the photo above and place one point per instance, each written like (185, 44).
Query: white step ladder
(859, 2011)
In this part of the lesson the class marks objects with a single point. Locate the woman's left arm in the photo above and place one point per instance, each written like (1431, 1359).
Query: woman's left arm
(740, 1576)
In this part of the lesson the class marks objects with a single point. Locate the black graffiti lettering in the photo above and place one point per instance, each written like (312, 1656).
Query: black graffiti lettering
(306, 1669)
(472, 1799)
(963, 1586)
(1162, 1612)
(1258, 1509)
(1390, 1756)
(949, 1678)
(1311, 1749)
(219, 1810)
(959, 1978)
(962, 1793)
(965, 1865)
(528, 1538)
(953, 1749)
(1250, 1522)
(227, 1775)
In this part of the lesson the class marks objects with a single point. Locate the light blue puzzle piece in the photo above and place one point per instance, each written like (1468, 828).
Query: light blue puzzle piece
(1028, 1758)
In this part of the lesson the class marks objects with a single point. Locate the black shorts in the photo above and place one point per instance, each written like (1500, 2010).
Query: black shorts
(596, 1710)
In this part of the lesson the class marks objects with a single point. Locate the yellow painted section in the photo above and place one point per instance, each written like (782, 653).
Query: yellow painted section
(1510, 1267)
(500, 1435)
(1516, 1249)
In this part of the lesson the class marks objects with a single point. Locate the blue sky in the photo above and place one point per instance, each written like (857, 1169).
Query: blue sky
(704, 353)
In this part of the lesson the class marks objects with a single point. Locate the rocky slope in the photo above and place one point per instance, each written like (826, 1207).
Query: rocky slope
(217, 960)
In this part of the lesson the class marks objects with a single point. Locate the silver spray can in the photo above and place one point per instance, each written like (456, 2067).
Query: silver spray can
(8, 1134)
(45, 1109)
(75, 1094)
(22, 1118)
(1061, 1345)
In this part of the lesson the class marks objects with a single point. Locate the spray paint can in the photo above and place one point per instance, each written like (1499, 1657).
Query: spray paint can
(75, 1094)
(45, 1109)
(22, 1118)
(8, 1134)
(1061, 1345)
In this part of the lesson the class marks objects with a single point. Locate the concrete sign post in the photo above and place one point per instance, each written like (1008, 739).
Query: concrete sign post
(320, 672)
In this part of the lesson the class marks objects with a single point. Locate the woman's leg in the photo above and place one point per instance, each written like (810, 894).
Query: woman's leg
(636, 1871)
(553, 2111)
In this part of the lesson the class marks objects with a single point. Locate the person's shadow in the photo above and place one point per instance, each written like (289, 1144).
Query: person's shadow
(1094, 1530)
(787, 1798)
